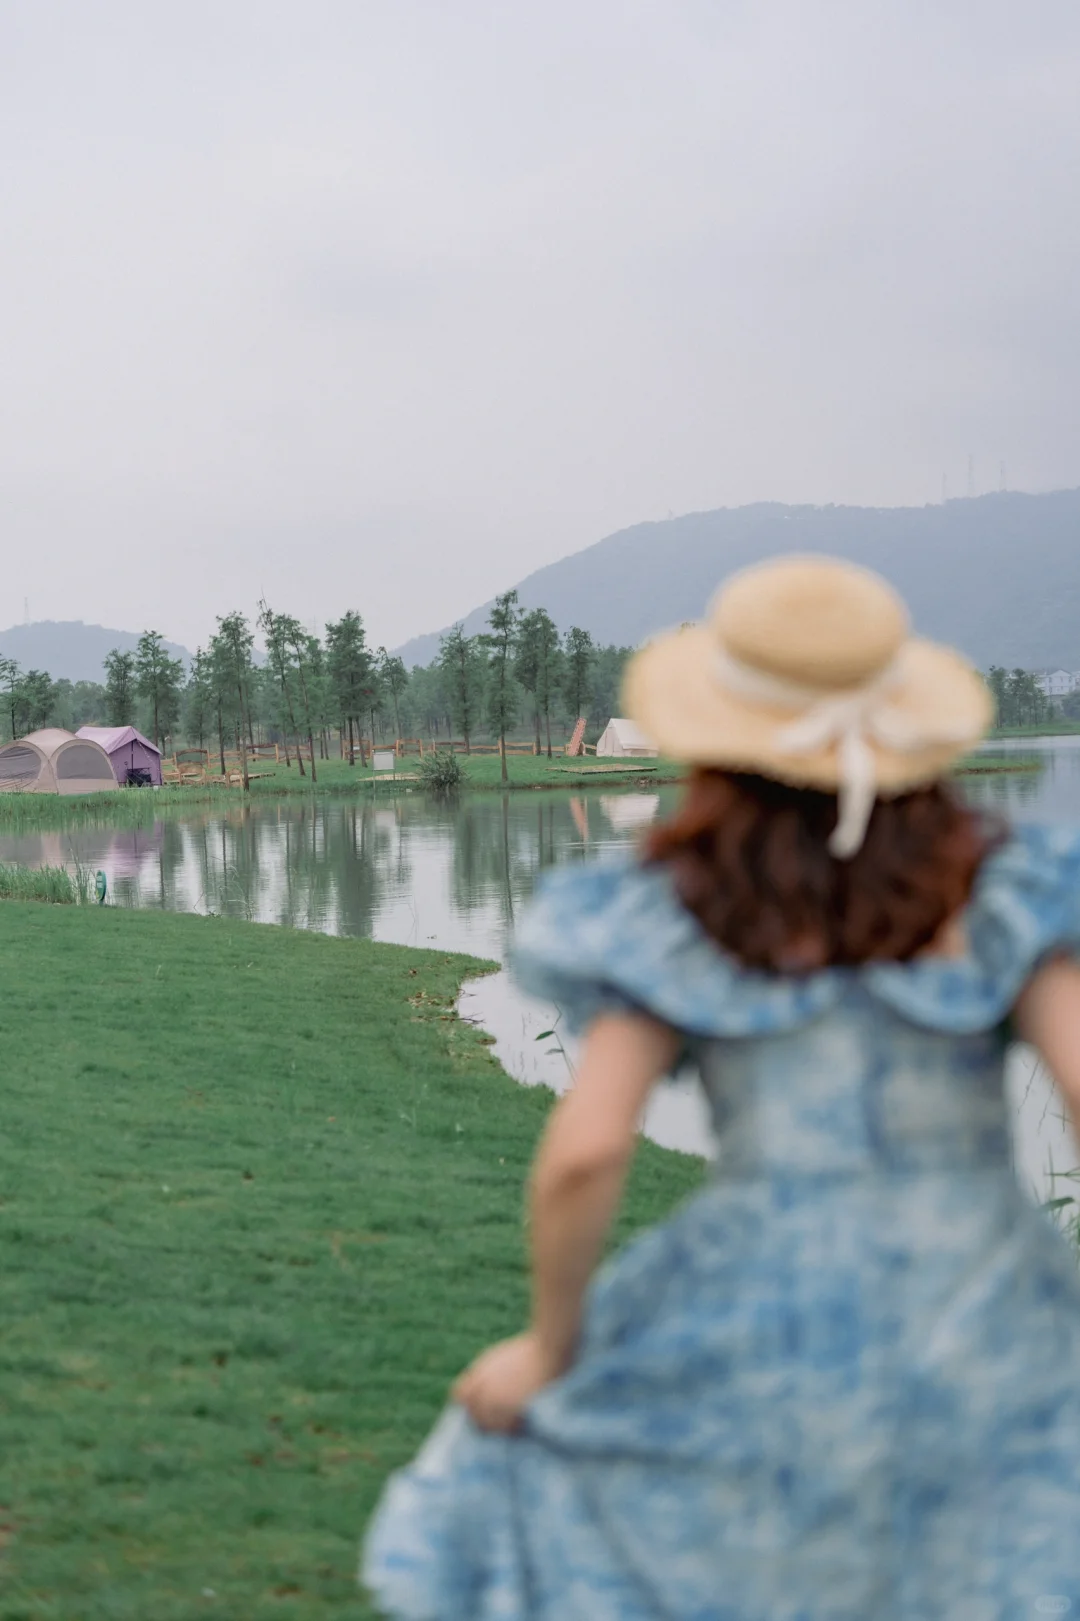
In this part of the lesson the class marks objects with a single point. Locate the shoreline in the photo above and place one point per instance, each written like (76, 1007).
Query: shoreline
(139, 805)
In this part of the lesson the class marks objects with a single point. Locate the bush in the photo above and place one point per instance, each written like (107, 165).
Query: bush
(441, 771)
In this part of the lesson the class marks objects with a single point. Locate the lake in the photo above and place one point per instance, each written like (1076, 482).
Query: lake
(399, 866)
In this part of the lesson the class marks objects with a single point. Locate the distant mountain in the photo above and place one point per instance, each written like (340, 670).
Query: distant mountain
(997, 576)
(70, 650)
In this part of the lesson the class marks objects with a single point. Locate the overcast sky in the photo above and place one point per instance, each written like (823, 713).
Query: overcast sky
(386, 304)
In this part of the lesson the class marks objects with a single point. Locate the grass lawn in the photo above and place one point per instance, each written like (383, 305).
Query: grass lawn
(260, 1198)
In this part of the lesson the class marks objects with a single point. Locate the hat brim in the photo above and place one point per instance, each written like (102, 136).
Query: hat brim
(672, 692)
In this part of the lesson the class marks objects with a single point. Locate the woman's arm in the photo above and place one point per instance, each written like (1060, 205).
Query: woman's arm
(1048, 1015)
(576, 1185)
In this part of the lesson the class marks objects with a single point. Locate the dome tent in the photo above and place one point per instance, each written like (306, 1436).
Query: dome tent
(134, 758)
(54, 762)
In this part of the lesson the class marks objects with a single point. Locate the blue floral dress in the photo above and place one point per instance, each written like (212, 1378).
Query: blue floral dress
(842, 1383)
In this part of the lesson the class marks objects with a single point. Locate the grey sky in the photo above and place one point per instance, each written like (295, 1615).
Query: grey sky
(385, 305)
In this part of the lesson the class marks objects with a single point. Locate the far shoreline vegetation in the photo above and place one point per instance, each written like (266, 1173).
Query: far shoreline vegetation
(270, 784)
(332, 699)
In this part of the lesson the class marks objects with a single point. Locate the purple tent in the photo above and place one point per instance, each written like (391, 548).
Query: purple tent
(128, 751)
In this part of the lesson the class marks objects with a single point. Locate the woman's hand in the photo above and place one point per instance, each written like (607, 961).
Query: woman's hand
(496, 1388)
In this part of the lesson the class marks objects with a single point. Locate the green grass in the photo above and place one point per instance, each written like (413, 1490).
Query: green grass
(1050, 728)
(52, 884)
(260, 1198)
(980, 764)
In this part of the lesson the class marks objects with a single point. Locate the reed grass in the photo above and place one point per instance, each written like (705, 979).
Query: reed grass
(54, 885)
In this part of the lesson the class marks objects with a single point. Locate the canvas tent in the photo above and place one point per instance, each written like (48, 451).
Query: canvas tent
(54, 762)
(129, 752)
(621, 738)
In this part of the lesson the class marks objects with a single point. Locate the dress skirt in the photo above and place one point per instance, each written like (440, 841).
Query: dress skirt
(804, 1398)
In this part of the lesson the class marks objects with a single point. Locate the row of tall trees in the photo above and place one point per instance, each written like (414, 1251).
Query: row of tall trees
(519, 661)
(518, 672)
(303, 690)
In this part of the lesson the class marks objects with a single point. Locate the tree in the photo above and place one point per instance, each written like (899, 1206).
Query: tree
(998, 682)
(580, 654)
(199, 697)
(605, 682)
(278, 630)
(306, 651)
(428, 700)
(462, 670)
(537, 666)
(120, 681)
(500, 641)
(320, 697)
(35, 700)
(231, 656)
(351, 673)
(9, 677)
(395, 680)
(159, 680)
(1026, 704)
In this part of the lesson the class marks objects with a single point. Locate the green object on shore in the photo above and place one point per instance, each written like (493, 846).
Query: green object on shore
(260, 1199)
(101, 884)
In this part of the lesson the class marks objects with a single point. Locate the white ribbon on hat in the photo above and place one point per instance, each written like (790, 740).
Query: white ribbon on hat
(848, 718)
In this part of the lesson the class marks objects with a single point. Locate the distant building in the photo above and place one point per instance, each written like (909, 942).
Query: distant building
(1058, 683)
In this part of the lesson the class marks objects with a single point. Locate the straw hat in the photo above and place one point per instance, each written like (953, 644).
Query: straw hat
(806, 671)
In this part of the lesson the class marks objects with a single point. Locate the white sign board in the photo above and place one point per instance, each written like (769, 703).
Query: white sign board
(383, 760)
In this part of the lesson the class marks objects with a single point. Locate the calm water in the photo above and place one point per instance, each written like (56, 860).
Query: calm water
(415, 871)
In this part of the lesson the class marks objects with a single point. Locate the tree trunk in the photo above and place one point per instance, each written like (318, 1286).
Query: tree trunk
(292, 720)
(536, 707)
(307, 713)
(502, 757)
(352, 754)
(221, 736)
(547, 725)
(241, 744)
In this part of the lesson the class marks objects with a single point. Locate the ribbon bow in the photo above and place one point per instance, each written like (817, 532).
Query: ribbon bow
(847, 720)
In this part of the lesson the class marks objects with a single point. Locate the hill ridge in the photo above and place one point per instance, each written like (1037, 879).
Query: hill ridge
(70, 649)
(965, 568)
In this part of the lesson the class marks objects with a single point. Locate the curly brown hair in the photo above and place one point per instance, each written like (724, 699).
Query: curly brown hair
(750, 860)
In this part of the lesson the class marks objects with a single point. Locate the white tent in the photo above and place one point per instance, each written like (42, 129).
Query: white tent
(54, 762)
(622, 738)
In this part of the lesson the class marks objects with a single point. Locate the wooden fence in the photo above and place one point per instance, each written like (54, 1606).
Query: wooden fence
(195, 766)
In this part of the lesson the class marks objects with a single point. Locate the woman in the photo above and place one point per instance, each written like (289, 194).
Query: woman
(843, 1381)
